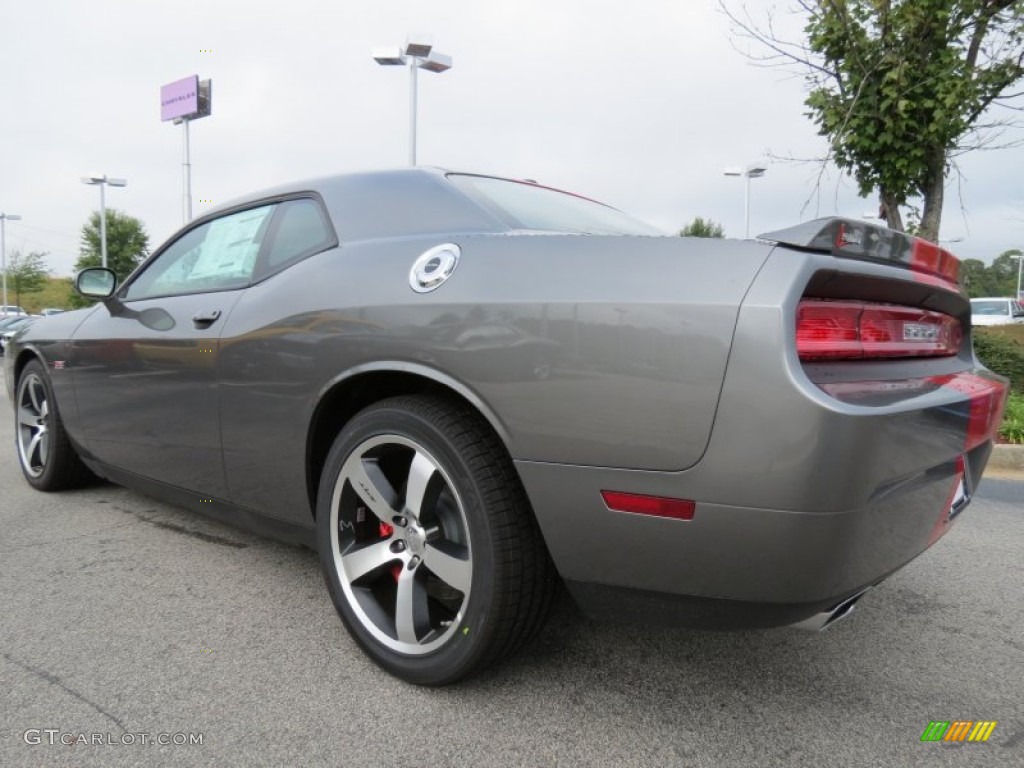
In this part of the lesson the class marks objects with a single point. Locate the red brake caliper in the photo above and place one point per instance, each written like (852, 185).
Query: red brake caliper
(385, 533)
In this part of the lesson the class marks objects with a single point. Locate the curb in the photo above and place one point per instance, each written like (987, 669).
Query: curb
(1006, 458)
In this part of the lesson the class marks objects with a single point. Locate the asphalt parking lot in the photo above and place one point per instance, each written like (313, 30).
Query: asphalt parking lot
(125, 619)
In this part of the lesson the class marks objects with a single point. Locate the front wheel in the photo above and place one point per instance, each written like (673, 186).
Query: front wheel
(428, 545)
(47, 457)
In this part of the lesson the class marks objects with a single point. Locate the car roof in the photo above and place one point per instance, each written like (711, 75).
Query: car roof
(395, 203)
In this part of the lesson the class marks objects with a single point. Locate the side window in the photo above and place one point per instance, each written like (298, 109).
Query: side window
(300, 230)
(217, 256)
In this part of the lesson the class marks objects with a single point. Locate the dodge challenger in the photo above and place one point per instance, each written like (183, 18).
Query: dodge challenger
(463, 391)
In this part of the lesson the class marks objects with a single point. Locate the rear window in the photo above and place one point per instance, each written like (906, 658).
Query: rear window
(990, 307)
(301, 230)
(523, 205)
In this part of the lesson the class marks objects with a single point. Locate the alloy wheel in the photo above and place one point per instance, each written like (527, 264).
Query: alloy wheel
(400, 543)
(33, 425)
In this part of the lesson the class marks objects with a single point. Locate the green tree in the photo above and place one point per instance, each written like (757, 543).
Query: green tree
(26, 273)
(1003, 273)
(700, 227)
(997, 279)
(900, 87)
(127, 243)
(975, 278)
(127, 246)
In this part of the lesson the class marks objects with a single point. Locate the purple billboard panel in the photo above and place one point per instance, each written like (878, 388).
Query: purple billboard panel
(179, 99)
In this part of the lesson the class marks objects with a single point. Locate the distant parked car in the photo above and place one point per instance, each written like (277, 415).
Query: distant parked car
(996, 311)
(47, 311)
(12, 328)
(6, 321)
(10, 310)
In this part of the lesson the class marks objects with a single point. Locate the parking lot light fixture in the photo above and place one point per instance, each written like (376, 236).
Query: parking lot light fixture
(418, 53)
(1019, 256)
(102, 181)
(4, 218)
(752, 171)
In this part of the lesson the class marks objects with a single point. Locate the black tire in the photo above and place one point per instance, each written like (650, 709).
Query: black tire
(47, 458)
(459, 577)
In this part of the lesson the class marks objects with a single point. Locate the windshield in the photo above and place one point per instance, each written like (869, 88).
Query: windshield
(990, 307)
(526, 205)
(17, 325)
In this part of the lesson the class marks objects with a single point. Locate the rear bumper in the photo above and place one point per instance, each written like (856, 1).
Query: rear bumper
(634, 606)
(816, 483)
(734, 566)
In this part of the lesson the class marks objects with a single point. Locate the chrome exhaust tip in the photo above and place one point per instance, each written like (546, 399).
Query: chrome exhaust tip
(825, 619)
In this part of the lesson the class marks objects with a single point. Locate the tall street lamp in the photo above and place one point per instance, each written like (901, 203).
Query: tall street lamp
(102, 181)
(4, 218)
(752, 171)
(418, 53)
(1020, 268)
(182, 102)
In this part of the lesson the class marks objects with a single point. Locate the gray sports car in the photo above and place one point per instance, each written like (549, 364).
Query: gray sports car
(462, 390)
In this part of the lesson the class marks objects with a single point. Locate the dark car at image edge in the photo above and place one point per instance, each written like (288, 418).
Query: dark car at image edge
(461, 389)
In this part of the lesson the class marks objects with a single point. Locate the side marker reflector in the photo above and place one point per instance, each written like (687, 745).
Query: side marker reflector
(658, 506)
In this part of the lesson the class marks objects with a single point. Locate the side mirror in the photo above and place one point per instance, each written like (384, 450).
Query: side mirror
(96, 283)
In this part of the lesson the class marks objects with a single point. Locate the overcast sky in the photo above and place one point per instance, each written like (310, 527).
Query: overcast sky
(639, 103)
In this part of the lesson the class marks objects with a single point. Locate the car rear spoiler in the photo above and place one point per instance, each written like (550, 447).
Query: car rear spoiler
(854, 239)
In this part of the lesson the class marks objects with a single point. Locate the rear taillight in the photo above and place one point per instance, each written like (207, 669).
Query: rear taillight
(930, 258)
(837, 330)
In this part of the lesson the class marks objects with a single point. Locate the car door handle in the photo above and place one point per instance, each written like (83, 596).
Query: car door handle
(205, 319)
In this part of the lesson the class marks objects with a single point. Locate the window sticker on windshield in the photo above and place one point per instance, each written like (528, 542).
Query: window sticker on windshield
(231, 246)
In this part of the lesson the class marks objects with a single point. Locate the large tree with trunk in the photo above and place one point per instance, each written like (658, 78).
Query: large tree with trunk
(901, 87)
(127, 246)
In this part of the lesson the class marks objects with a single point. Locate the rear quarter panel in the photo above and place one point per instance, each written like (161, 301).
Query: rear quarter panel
(606, 351)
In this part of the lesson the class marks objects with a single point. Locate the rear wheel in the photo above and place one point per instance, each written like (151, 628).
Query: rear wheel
(47, 458)
(429, 547)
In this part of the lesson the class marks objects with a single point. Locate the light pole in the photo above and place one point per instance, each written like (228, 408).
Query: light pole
(418, 53)
(1020, 268)
(182, 102)
(752, 171)
(4, 217)
(186, 167)
(102, 181)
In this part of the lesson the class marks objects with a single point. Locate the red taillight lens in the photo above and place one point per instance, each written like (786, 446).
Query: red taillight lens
(835, 330)
(928, 257)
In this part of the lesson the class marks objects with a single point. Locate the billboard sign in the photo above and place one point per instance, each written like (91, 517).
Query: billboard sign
(180, 98)
(205, 99)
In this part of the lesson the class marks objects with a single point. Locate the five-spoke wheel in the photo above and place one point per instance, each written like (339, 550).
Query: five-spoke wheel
(401, 544)
(33, 424)
(428, 545)
(47, 457)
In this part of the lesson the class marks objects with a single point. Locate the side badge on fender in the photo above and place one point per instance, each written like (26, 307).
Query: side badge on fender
(433, 267)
